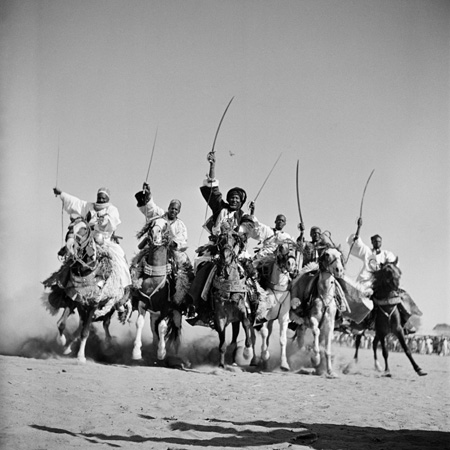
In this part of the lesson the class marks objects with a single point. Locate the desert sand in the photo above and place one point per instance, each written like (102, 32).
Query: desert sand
(54, 402)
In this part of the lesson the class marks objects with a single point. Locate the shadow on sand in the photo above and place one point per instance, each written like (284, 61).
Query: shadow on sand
(266, 434)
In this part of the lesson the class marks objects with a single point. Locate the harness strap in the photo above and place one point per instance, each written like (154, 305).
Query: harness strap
(157, 271)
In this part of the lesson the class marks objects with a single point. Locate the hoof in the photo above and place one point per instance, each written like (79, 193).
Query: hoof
(136, 356)
(254, 361)
(247, 353)
(61, 339)
(421, 373)
(332, 375)
(285, 368)
(347, 368)
(387, 375)
(162, 355)
(265, 356)
(82, 359)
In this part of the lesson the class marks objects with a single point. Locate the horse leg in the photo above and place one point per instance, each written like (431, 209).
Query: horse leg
(248, 338)
(162, 331)
(328, 337)
(284, 322)
(254, 361)
(376, 339)
(264, 331)
(220, 327)
(177, 323)
(401, 338)
(315, 359)
(106, 324)
(140, 321)
(61, 324)
(348, 367)
(233, 344)
(154, 318)
(86, 320)
(385, 352)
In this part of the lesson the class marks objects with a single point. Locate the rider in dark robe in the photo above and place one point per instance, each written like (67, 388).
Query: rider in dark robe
(228, 212)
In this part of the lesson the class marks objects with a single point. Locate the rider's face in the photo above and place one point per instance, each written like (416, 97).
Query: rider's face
(315, 235)
(235, 202)
(376, 243)
(173, 211)
(102, 198)
(280, 222)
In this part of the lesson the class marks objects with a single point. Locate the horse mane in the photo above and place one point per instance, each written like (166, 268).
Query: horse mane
(148, 225)
(380, 280)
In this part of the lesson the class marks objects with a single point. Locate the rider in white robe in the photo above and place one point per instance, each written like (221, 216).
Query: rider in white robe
(106, 218)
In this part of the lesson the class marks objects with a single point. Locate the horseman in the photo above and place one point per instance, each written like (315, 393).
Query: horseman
(104, 219)
(373, 258)
(178, 230)
(224, 214)
(313, 249)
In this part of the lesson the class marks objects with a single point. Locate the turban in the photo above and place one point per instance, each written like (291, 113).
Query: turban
(316, 229)
(375, 236)
(105, 191)
(240, 192)
(175, 202)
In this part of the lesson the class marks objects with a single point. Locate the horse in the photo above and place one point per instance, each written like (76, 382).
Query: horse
(88, 283)
(321, 291)
(155, 289)
(387, 298)
(229, 293)
(276, 272)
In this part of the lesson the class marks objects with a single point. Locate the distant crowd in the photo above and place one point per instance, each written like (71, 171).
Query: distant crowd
(421, 344)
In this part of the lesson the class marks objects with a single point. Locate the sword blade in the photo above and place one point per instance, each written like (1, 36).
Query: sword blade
(151, 158)
(298, 195)
(271, 170)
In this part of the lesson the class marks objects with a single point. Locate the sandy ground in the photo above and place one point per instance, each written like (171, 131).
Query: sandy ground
(54, 402)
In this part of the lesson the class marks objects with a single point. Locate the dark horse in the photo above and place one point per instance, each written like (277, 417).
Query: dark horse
(228, 294)
(387, 298)
(159, 287)
(87, 282)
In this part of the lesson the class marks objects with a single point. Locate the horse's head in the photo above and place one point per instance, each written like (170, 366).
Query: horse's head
(229, 245)
(82, 243)
(286, 256)
(387, 276)
(331, 260)
(156, 232)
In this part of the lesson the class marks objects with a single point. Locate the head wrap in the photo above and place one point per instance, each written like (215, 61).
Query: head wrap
(105, 191)
(175, 202)
(240, 192)
(281, 216)
(315, 229)
(375, 236)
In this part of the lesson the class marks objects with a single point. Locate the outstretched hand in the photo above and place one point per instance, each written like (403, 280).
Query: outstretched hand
(56, 191)
(211, 157)
(251, 205)
(301, 227)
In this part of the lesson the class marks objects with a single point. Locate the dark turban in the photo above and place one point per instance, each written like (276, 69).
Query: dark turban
(240, 192)
(315, 229)
(375, 236)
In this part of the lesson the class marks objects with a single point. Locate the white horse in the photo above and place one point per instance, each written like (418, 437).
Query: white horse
(318, 294)
(276, 279)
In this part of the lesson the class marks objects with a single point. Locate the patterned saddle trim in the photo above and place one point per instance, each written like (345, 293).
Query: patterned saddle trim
(88, 280)
(393, 299)
(157, 271)
(229, 285)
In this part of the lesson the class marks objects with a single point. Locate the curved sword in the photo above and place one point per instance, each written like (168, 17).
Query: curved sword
(360, 213)
(151, 158)
(220, 123)
(298, 195)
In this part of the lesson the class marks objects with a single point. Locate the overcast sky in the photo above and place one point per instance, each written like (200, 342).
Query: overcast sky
(344, 87)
